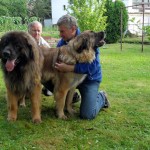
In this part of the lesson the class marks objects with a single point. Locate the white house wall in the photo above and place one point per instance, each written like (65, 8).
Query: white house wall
(58, 9)
(136, 26)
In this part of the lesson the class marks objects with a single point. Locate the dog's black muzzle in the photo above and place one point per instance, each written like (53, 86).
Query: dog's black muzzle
(6, 54)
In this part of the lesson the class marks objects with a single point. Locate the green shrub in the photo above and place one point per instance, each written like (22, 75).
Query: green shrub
(136, 40)
(113, 14)
(51, 32)
(147, 30)
(14, 23)
(89, 14)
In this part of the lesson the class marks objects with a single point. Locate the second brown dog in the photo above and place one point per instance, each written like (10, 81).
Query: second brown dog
(80, 49)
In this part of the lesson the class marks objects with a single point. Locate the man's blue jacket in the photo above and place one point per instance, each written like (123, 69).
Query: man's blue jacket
(93, 70)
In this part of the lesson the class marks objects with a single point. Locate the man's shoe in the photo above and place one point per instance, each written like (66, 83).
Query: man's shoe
(46, 92)
(76, 97)
(107, 103)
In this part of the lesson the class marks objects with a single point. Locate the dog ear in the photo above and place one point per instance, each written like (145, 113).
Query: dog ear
(83, 45)
(29, 46)
(31, 56)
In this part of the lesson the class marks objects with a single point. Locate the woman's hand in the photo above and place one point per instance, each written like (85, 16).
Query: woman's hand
(64, 67)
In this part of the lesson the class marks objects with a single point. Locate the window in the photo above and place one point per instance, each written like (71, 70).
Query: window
(134, 2)
(137, 4)
(64, 7)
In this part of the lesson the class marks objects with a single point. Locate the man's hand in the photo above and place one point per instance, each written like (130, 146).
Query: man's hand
(64, 67)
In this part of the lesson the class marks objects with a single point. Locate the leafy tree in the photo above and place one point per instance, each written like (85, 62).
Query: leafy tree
(89, 13)
(25, 8)
(3, 9)
(113, 14)
(39, 8)
(13, 8)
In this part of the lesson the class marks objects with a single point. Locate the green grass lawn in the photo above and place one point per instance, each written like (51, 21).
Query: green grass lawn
(126, 125)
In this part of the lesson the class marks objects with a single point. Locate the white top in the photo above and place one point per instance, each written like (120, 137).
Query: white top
(43, 42)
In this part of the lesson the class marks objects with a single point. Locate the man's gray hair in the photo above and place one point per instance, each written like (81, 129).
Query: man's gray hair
(68, 21)
(33, 23)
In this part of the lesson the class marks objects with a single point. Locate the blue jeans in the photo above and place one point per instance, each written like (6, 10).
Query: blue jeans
(91, 100)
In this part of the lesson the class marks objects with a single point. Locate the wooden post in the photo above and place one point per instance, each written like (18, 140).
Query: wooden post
(143, 25)
(121, 28)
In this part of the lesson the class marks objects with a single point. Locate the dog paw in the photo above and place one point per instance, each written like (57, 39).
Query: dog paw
(63, 117)
(37, 121)
(11, 119)
(71, 112)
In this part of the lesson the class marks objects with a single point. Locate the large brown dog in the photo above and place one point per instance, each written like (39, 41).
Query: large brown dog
(21, 65)
(80, 49)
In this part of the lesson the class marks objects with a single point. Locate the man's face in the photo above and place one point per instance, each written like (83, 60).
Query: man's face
(65, 33)
(36, 31)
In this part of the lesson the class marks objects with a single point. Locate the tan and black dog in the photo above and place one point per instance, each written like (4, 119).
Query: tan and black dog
(80, 49)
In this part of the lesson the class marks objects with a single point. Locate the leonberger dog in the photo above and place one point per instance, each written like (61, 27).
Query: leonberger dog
(25, 66)
(81, 49)
(21, 65)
